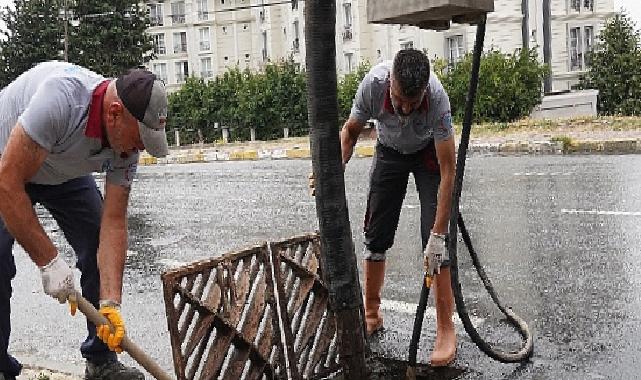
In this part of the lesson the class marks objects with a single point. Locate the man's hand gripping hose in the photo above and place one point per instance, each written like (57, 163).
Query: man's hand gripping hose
(436, 255)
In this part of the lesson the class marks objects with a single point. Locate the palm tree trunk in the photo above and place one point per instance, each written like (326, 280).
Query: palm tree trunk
(338, 260)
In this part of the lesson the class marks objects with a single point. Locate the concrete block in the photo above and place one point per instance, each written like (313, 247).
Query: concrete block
(571, 104)
(279, 154)
(298, 153)
(243, 155)
(364, 151)
(427, 14)
(620, 146)
(146, 159)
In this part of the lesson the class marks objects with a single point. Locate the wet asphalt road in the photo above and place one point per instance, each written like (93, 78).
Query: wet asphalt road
(559, 236)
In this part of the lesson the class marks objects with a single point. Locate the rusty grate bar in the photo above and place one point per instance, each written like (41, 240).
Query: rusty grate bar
(259, 313)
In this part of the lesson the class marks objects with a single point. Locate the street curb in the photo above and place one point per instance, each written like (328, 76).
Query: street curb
(543, 147)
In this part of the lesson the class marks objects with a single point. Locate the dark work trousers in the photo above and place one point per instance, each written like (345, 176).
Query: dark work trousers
(388, 184)
(76, 206)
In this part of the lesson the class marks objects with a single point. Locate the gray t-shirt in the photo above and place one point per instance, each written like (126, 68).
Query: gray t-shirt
(433, 120)
(51, 101)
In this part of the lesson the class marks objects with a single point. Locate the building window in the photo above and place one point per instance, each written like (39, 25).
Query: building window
(588, 39)
(182, 71)
(159, 44)
(155, 15)
(160, 69)
(582, 5)
(180, 42)
(178, 12)
(347, 9)
(580, 44)
(224, 30)
(296, 44)
(455, 49)
(204, 39)
(349, 62)
(407, 45)
(205, 68)
(265, 46)
(203, 12)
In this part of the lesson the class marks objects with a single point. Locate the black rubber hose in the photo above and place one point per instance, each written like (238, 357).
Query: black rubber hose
(418, 323)
(456, 220)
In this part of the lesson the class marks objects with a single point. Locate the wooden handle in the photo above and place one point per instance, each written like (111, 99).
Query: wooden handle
(127, 344)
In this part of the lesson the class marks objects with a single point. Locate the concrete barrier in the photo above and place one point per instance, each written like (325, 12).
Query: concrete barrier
(298, 153)
(241, 155)
(619, 146)
(364, 151)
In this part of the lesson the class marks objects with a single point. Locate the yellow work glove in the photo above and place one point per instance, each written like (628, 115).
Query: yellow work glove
(73, 304)
(112, 337)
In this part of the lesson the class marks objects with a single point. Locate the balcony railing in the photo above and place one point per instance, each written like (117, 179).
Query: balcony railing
(178, 19)
(203, 16)
(160, 50)
(347, 35)
(180, 48)
(206, 74)
(181, 78)
(205, 45)
(156, 21)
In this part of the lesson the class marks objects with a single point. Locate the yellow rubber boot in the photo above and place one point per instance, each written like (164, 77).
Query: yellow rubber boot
(444, 351)
(374, 273)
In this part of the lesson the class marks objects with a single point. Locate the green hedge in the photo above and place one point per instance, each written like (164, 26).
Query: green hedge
(510, 85)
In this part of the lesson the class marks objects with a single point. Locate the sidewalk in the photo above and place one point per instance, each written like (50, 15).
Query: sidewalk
(579, 136)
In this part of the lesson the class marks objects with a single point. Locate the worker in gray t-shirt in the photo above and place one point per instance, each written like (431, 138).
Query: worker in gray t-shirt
(58, 124)
(411, 112)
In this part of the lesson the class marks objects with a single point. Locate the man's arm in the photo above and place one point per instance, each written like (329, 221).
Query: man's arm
(349, 136)
(113, 242)
(447, 162)
(20, 161)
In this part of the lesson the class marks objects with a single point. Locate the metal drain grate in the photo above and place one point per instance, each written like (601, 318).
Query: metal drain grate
(258, 313)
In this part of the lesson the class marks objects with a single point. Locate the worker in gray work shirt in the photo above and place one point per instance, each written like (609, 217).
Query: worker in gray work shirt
(414, 130)
(58, 124)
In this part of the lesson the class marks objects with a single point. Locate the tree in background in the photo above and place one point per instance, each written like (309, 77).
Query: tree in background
(34, 33)
(509, 85)
(188, 108)
(615, 68)
(105, 36)
(291, 95)
(110, 35)
(266, 101)
(347, 88)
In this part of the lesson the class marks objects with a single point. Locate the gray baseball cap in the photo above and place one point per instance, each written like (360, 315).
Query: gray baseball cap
(144, 96)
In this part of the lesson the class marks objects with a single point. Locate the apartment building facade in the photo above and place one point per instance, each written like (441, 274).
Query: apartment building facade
(204, 38)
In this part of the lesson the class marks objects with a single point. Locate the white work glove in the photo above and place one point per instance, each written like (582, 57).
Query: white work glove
(435, 253)
(57, 279)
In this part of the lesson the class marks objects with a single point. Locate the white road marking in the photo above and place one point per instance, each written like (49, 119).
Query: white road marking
(600, 212)
(540, 174)
(430, 311)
